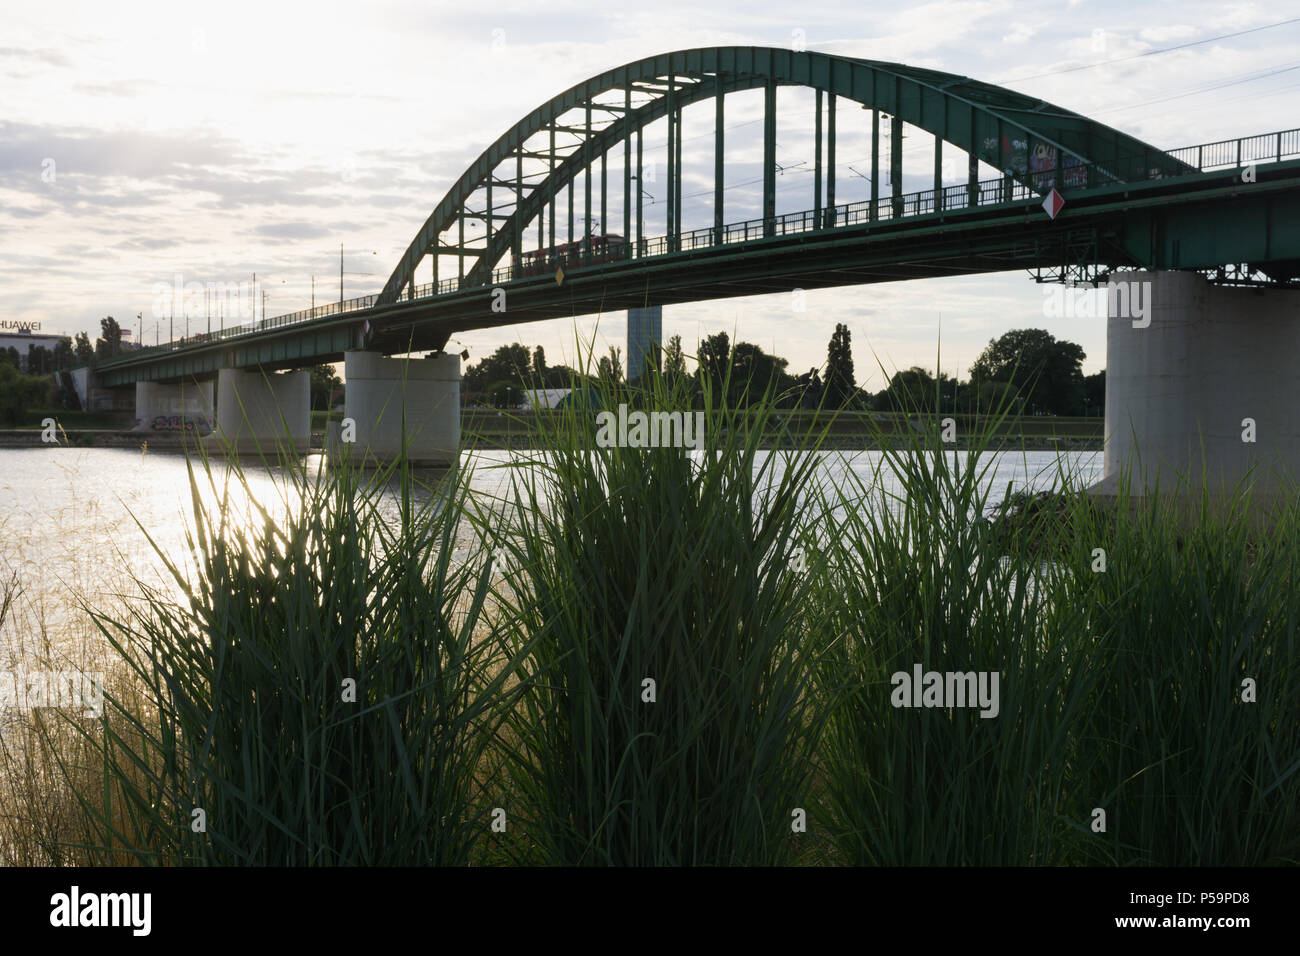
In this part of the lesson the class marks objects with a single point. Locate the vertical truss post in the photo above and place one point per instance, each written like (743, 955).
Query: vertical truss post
(627, 164)
(719, 138)
(973, 164)
(677, 199)
(769, 159)
(572, 206)
(830, 159)
(550, 179)
(896, 164)
(460, 250)
(1008, 180)
(516, 239)
(487, 226)
(586, 152)
(604, 189)
(875, 166)
(640, 194)
(817, 163)
(672, 160)
(938, 173)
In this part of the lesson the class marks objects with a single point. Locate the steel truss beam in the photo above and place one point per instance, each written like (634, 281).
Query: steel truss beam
(984, 120)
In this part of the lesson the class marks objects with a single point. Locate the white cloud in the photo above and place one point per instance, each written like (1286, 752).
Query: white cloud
(252, 137)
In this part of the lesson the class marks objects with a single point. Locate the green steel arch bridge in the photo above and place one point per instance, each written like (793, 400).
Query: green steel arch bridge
(501, 246)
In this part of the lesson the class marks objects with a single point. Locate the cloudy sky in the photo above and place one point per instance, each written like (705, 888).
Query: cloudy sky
(140, 141)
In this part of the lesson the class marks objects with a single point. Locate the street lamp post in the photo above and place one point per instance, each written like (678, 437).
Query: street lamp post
(373, 252)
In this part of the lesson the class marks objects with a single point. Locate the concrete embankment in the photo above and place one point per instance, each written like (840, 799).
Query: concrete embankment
(93, 438)
(492, 440)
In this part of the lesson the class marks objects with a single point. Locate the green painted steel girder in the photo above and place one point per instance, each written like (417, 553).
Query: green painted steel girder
(999, 126)
(285, 348)
(1248, 227)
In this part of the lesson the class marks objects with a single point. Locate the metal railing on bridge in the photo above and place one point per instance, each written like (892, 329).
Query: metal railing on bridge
(1207, 157)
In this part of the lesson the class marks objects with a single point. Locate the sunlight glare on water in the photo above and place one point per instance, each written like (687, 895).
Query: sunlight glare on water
(68, 517)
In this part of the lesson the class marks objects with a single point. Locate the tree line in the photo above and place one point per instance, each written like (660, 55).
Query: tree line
(31, 380)
(1028, 370)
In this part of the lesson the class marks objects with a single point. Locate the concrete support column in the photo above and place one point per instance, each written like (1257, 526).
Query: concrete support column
(181, 404)
(262, 410)
(1202, 384)
(389, 402)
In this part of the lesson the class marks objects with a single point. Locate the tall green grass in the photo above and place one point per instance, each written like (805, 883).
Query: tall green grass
(1189, 772)
(1122, 632)
(769, 596)
(671, 566)
(916, 579)
(321, 692)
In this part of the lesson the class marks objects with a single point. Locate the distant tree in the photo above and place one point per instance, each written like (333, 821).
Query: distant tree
(505, 394)
(84, 351)
(911, 390)
(325, 382)
(40, 360)
(109, 342)
(610, 367)
(1094, 393)
(809, 387)
(840, 383)
(674, 362)
(997, 396)
(19, 392)
(509, 363)
(754, 373)
(714, 362)
(1047, 372)
(539, 365)
(10, 357)
(561, 376)
(64, 356)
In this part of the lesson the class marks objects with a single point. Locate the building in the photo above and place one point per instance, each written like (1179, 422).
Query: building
(22, 336)
(645, 334)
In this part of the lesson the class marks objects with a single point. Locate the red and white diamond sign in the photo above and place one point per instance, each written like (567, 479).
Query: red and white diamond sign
(1053, 203)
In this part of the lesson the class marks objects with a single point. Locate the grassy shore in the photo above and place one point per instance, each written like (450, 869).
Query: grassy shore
(663, 656)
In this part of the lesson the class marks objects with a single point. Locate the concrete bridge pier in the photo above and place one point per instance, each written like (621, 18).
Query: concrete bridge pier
(391, 401)
(191, 402)
(1202, 385)
(264, 411)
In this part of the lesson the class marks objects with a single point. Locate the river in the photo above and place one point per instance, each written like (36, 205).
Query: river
(73, 521)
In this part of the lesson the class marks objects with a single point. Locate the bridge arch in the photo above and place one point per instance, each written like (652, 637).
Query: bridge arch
(981, 119)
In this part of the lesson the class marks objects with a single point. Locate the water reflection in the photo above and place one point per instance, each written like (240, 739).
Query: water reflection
(77, 521)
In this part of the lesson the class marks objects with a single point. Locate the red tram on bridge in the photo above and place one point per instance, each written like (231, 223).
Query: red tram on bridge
(606, 247)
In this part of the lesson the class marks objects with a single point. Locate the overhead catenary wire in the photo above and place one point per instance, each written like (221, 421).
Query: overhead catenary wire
(1146, 53)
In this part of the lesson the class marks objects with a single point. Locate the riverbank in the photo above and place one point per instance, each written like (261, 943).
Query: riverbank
(1010, 442)
(509, 440)
(514, 430)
